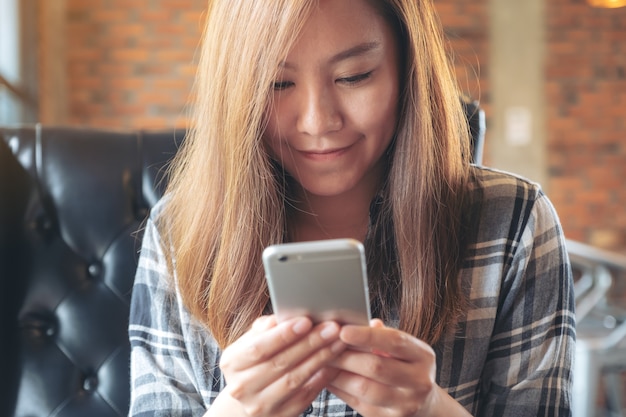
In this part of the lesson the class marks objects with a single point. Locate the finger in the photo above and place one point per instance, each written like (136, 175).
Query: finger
(262, 341)
(311, 375)
(284, 361)
(263, 323)
(385, 403)
(377, 323)
(302, 397)
(315, 384)
(260, 325)
(295, 403)
(357, 403)
(392, 342)
(384, 370)
(372, 391)
(293, 366)
(376, 396)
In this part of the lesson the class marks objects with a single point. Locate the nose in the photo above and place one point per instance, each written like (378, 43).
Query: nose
(319, 112)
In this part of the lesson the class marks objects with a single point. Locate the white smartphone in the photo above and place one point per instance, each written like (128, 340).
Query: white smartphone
(324, 280)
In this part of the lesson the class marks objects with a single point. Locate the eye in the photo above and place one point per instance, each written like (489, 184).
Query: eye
(282, 85)
(355, 79)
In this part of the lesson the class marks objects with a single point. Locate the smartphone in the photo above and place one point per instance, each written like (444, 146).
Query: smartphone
(324, 280)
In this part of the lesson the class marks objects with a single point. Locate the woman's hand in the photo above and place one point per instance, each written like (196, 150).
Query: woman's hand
(277, 369)
(387, 372)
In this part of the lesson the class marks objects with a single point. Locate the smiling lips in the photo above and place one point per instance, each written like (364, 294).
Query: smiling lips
(325, 155)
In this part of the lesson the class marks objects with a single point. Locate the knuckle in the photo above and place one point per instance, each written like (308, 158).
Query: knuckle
(313, 340)
(361, 388)
(430, 354)
(400, 340)
(376, 366)
(254, 352)
(324, 355)
(429, 385)
(254, 410)
(286, 337)
(292, 381)
(236, 390)
(412, 408)
(423, 386)
(279, 362)
(308, 392)
(226, 361)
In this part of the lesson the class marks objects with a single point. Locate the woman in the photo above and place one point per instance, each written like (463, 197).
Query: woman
(326, 119)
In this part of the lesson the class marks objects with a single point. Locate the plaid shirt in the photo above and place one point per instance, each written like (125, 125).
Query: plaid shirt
(510, 355)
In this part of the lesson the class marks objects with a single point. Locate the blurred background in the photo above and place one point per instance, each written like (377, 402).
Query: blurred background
(550, 75)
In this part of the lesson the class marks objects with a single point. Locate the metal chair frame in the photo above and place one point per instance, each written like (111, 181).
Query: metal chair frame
(601, 333)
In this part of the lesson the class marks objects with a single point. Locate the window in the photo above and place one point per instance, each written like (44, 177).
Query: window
(17, 98)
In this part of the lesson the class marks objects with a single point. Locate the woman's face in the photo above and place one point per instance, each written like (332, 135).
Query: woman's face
(335, 104)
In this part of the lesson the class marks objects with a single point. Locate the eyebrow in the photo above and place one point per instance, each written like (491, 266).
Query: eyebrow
(358, 50)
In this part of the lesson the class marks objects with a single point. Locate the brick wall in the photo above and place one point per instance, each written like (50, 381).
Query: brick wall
(466, 24)
(586, 104)
(131, 64)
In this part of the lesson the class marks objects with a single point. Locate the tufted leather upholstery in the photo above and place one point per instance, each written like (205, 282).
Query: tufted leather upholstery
(71, 202)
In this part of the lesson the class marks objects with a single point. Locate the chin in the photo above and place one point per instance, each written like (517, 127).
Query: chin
(327, 189)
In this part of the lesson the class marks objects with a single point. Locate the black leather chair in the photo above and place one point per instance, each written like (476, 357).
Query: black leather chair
(72, 201)
(71, 205)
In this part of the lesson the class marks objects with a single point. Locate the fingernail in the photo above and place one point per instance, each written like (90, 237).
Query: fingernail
(301, 326)
(329, 331)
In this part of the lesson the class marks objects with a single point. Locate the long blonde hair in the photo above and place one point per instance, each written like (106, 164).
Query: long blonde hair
(225, 203)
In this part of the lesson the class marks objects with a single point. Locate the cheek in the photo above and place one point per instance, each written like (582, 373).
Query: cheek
(378, 114)
(391, 111)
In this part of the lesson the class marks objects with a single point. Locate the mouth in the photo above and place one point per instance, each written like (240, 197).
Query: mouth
(325, 154)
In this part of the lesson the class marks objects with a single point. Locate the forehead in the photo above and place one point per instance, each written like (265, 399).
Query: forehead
(336, 25)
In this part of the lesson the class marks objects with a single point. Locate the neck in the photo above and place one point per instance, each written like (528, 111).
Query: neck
(316, 217)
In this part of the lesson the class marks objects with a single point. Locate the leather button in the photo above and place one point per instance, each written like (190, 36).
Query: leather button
(142, 213)
(44, 224)
(90, 384)
(39, 325)
(95, 270)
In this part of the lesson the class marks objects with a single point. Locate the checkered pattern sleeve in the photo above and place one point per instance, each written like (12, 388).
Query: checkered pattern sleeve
(169, 350)
(512, 353)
